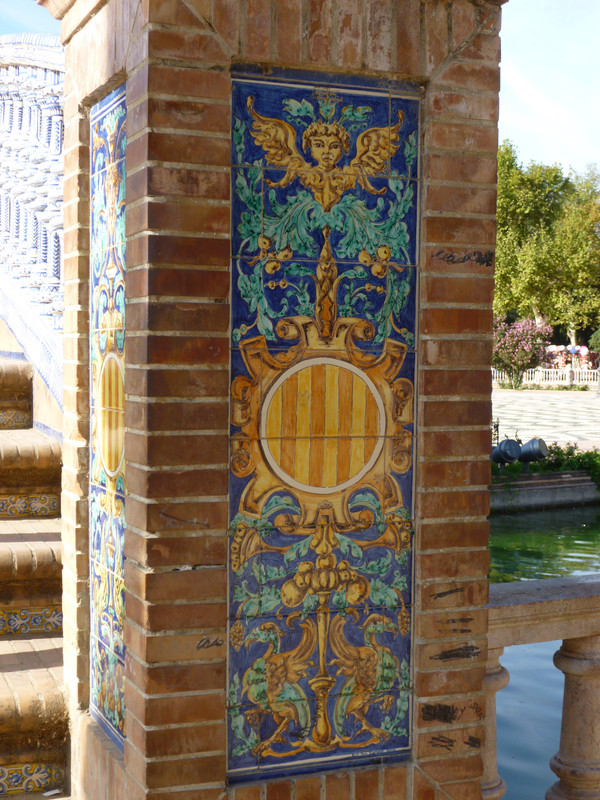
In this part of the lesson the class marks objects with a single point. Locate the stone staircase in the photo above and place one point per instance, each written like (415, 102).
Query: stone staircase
(33, 719)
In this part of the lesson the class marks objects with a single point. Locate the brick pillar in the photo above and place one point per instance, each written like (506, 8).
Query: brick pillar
(177, 407)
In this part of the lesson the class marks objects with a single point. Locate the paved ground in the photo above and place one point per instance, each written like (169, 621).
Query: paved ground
(554, 416)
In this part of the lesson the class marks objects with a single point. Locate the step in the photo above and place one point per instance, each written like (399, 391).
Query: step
(33, 716)
(16, 381)
(30, 577)
(30, 464)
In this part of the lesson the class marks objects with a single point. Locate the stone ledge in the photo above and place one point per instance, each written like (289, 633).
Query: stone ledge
(523, 612)
(544, 490)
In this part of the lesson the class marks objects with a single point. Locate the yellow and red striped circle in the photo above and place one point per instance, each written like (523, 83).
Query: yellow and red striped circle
(322, 425)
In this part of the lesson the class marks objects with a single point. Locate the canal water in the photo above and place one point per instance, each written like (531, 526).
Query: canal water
(523, 546)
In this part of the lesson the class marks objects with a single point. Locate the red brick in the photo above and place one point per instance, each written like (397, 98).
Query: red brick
(453, 443)
(176, 678)
(176, 282)
(178, 148)
(446, 682)
(183, 217)
(308, 788)
(455, 474)
(289, 31)
(198, 45)
(197, 115)
(203, 584)
(162, 181)
(483, 48)
(165, 349)
(258, 30)
(422, 788)
(175, 517)
(469, 564)
(436, 35)
(366, 783)
(248, 793)
(337, 786)
(175, 616)
(467, 622)
(454, 769)
(281, 790)
(379, 35)
(458, 653)
(464, 19)
(456, 382)
(394, 785)
(349, 34)
(472, 76)
(168, 450)
(463, 138)
(456, 320)
(461, 200)
(439, 413)
(408, 37)
(461, 104)
(440, 504)
(455, 594)
(320, 45)
(187, 316)
(151, 551)
(170, 416)
(193, 382)
(451, 711)
(460, 230)
(456, 353)
(464, 791)
(226, 21)
(467, 169)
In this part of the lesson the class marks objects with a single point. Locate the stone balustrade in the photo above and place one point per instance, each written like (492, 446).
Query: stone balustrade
(541, 611)
(31, 192)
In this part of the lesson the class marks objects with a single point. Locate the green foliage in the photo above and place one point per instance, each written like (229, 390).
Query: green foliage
(594, 342)
(548, 252)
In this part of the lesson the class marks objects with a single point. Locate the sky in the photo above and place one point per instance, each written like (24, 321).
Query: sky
(550, 75)
(550, 81)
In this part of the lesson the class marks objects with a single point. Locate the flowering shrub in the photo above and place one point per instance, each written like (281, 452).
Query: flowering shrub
(518, 347)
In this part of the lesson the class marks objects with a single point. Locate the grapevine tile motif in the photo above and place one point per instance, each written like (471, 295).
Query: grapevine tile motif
(21, 778)
(325, 209)
(107, 338)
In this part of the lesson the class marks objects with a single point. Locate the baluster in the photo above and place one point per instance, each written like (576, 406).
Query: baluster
(577, 763)
(493, 787)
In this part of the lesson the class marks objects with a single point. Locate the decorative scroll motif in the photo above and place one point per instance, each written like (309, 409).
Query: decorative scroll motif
(107, 488)
(35, 777)
(29, 505)
(30, 620)
(325, 219)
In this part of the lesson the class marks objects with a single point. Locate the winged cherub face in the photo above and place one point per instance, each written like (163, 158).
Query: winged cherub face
(327, 143)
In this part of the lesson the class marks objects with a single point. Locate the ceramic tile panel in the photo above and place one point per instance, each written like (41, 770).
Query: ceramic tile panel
(325, 188)
(107, 342)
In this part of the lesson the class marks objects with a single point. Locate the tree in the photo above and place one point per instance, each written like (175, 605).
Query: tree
(548, 252)
(518, 347)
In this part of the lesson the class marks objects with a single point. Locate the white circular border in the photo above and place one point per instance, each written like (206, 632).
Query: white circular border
(263, 424)
(102, 409)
